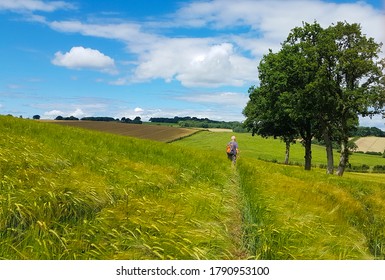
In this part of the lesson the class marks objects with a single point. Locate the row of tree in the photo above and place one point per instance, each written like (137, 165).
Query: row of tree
(316, 86)
(367, 131)
(200, 122)
(136, 120)
(177, 119)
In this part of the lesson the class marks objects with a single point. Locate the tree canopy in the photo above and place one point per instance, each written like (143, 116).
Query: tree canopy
(316, 86)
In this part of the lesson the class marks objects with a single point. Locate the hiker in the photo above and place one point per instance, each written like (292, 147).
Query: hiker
(232, 149)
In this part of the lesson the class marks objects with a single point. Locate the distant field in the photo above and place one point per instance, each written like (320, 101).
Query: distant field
(272, 149)
(220, 130)
(151, 132)
(371, 144)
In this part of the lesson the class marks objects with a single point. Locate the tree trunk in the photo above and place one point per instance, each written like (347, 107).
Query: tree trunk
(329, 153)
(307, 144)
(344, 157)
(287, 154)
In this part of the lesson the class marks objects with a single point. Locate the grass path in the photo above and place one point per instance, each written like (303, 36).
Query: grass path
(235, 221)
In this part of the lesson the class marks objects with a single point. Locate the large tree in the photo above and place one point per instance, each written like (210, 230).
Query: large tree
(358, 76)
(284, 104)
(303, 99)
(265, 114)
(316, 86)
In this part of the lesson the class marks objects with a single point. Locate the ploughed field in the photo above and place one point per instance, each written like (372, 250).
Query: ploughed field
(152, 132)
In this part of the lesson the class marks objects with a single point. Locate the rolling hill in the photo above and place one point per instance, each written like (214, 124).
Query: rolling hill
(169, 133)
(72, 193)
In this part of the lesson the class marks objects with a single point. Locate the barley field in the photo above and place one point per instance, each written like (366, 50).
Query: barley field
(70, 193)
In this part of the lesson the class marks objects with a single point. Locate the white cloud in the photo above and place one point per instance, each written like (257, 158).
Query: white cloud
(132, 113)
(34, 5)
(375, 121)
(219, 65)
(83, 107)
(172, 58)
(130, 33)
(228, 59)
(196, 63)
(270, 21)
(77, 112)
(80, 58)
(275, 18)
(52, 114)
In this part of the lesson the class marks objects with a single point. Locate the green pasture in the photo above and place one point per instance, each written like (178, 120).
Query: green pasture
(69, 193)
(290, 213)
(273, 150)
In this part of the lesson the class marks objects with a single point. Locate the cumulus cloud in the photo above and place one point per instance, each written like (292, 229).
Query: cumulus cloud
(132, 113)
(219, 65)
(229, 58)
(85, 58)
(52, 114)
(77, 107)
(34, 5)
(196, 63)
(138, 110)
(77, 112)
(203, 62)
(130, 33)
(275, 19)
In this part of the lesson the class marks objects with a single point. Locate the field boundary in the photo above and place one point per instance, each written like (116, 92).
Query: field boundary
(186, 136)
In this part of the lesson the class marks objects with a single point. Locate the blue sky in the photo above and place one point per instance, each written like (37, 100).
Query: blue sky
(127, 58)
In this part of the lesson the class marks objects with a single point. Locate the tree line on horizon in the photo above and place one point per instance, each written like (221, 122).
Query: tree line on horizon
(316, 87)
(180, 121)
(236, 126)
(136, 120)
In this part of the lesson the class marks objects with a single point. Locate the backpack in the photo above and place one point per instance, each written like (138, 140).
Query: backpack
(229, 148)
